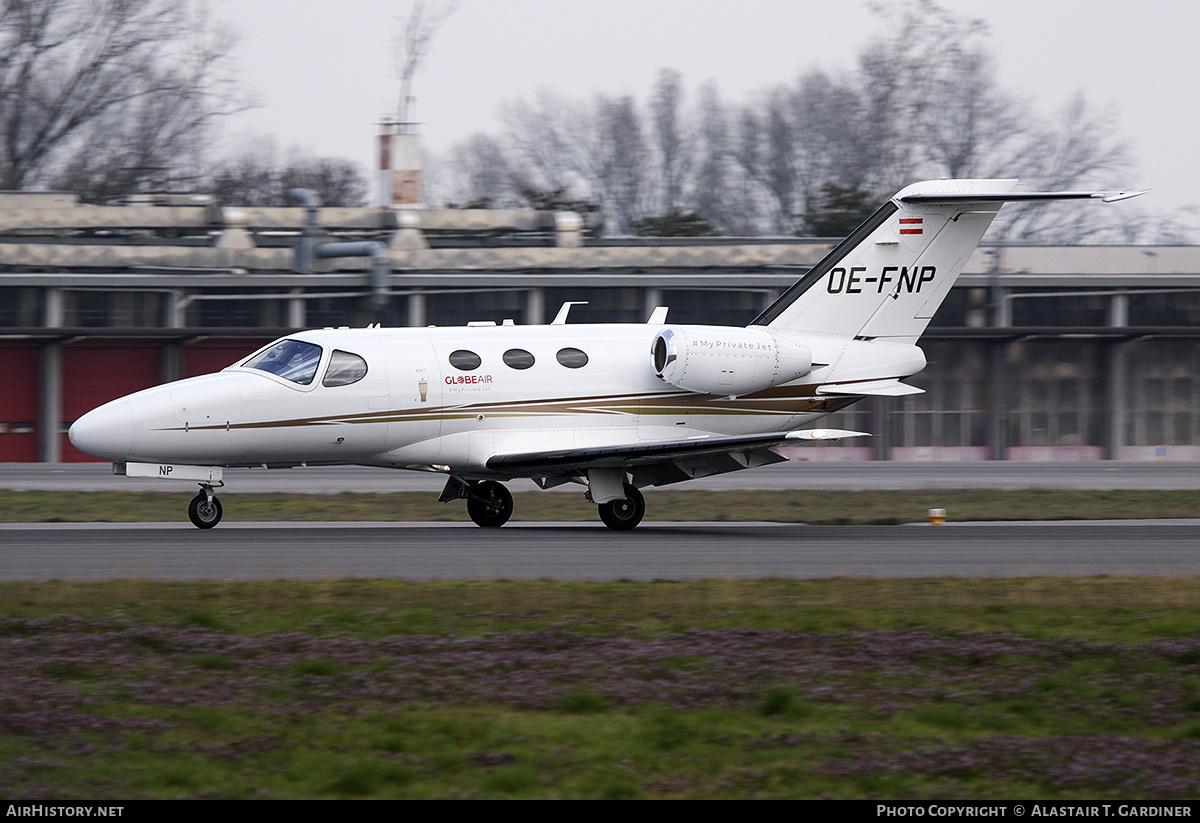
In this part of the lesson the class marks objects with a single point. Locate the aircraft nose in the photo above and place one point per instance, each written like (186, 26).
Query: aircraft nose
(106, 432)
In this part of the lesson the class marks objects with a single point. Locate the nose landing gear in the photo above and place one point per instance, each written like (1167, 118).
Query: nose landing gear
(205, 509)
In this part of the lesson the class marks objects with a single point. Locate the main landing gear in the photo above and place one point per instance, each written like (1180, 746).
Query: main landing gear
(205, 509)
(490, 504)
(623, 515)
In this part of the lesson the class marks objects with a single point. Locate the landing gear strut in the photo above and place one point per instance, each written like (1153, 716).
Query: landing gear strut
(205, 509)
(623, 515)
(489, 504)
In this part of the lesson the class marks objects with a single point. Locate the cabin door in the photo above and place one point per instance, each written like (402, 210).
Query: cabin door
(415, 389)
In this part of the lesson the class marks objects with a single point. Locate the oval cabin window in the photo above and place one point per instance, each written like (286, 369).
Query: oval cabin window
(518, 359)
(464, 360)
(572, 358)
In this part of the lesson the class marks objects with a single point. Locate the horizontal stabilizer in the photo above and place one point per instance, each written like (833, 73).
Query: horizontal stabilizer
(824, 434)
(1017, 196)
(871, 388)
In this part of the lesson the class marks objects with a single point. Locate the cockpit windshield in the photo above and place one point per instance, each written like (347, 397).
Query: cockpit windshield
(292, 360)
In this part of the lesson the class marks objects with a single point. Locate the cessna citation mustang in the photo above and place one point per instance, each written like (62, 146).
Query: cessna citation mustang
(613, 407)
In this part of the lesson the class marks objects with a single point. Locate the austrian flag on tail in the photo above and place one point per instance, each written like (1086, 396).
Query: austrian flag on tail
(911, 225)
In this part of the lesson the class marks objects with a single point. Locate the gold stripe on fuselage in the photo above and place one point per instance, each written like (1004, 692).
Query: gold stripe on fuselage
(775, 402)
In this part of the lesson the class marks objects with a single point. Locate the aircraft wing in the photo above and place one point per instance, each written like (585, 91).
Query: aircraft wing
(660, 463)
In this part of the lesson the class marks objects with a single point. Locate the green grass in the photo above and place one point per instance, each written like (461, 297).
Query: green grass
(1097, 609)
(788, 506)
(971, 688)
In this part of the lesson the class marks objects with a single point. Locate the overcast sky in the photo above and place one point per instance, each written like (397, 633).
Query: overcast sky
(325, 72)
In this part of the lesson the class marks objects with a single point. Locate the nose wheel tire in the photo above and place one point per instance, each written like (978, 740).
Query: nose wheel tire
(490, 504)
(623, 515)
(204, 513)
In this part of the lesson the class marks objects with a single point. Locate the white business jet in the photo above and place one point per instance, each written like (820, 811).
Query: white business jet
(613, 407)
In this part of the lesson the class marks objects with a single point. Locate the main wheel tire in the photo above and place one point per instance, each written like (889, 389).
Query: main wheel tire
(489, 504)
(623, 515)
(202, 513)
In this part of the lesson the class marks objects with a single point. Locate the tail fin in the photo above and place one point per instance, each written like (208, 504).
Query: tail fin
(892, 273)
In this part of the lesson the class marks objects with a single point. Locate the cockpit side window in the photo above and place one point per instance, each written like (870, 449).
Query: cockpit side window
(292, 360)
(344, 368)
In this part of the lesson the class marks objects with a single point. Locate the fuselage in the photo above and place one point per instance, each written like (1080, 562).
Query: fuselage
(450, 398)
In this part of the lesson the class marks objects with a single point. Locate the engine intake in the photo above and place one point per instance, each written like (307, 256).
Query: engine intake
(726, 360)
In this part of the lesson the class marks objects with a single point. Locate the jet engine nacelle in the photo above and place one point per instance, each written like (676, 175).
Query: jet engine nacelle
(726, 360)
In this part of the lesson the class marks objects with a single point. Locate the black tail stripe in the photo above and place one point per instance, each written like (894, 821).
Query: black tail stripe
(827, 262)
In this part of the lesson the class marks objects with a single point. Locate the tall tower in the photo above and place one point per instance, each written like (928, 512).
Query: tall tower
(399, 184)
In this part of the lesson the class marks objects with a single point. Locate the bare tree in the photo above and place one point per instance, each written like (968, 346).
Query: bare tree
(549, 140)
(779, 169)
(907, 76)
(749, 166)
(339, 182)
(618, 170)
(111, 94)
(718, 194)
(247, 178)
(974, 129)
(924, 102)
(672, 142)
(1076, 148)
(256, 177)
(831, 134)
(594, 150)
(480, 173)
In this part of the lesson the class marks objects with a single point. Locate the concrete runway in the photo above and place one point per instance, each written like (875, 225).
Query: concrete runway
(791, 475)
(590, 552)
